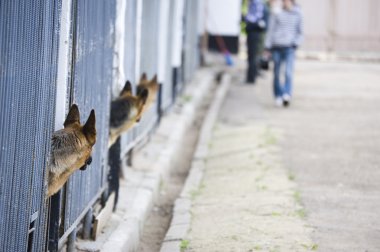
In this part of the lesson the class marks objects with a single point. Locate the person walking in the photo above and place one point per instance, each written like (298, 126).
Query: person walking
(256, 23)
(284, 36)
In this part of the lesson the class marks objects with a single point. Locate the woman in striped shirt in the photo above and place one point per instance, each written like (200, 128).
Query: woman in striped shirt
(283, 37)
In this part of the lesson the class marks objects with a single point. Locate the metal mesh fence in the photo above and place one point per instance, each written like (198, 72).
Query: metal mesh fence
(91, 89)
(29, 35)
(28, 49)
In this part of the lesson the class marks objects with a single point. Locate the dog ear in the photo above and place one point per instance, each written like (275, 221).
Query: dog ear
(127, 88)
(72, 116)
(154, 79)
(143, 77)
(143, 95)
(89, 128)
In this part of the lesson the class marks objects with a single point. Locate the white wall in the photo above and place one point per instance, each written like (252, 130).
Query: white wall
(177, 32)
(162, 39)
(223, 17)
(63, 65)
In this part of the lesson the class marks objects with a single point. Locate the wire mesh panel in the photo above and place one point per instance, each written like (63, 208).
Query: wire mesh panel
(28, 54)
(93, 27)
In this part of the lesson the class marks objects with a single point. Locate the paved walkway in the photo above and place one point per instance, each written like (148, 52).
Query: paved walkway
(298, 179)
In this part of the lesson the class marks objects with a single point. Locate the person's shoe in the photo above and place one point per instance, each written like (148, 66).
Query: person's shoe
(286, 99)
(278, 102)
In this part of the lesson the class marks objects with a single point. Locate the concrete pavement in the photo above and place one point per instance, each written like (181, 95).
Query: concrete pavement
(297, 179)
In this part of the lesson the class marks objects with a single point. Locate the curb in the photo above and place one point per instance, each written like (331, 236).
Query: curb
(139, 190)
(180, 223)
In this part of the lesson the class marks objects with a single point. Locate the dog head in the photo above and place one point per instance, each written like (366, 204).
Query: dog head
(138, 101)
(151, 85)
(71, 149)
(80, 137)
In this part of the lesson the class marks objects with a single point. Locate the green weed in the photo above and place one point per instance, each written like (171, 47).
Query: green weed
(184, 245)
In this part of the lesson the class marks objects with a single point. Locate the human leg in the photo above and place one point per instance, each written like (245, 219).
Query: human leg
(253, 41)
(289, 68)
(250, 49)
(276, 56)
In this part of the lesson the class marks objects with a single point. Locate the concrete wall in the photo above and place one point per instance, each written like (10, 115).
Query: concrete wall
(341, 25)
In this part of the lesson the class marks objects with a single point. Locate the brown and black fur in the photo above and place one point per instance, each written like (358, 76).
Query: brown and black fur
(126, 110)
(152, 86)
(70, 149)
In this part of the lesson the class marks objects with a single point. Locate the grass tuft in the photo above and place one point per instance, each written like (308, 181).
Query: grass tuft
(301, 213)
(184, 245)
(291, 176)
(297, 197)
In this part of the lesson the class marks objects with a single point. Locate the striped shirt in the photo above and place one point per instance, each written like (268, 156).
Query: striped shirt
(285, 29)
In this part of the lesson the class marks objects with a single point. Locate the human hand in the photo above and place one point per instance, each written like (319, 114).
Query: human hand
(267, 54)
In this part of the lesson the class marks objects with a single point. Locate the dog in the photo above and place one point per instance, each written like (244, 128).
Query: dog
(152, 86)
(126, 111)
(71, 149)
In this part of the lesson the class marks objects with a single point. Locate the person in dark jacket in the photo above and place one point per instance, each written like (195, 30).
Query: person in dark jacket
(256, 23)
(284, 36)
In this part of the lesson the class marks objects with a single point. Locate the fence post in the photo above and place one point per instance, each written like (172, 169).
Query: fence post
(87, 224)
(71, 241)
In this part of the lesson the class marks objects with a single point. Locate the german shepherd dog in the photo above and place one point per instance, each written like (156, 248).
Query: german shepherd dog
(126, 110)
(152, 87)
(70, 149)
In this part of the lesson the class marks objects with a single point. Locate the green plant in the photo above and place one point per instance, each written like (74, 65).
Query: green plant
(269, 137)
(301, 213)
(162, 185)
(194, 193)
(291, 176)
(184, 245)
(257, 247)
(314, 247)
(297, 197)
(186, 98)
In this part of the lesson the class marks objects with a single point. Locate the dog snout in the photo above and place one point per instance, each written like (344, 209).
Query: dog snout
(89, 160)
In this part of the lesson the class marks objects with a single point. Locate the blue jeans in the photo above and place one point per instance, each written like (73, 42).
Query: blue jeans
(280, 56)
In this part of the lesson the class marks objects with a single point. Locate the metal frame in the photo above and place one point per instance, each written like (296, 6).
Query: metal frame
(69, 61)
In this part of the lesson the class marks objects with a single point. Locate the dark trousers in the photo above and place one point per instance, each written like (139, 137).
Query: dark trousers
(253, 45)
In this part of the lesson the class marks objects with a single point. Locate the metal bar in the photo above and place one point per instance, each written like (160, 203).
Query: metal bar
(64, 237)
(71, 241)
(87, 224)
(174, 84)
(159, 104)
(54, 216)
(130, 158)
